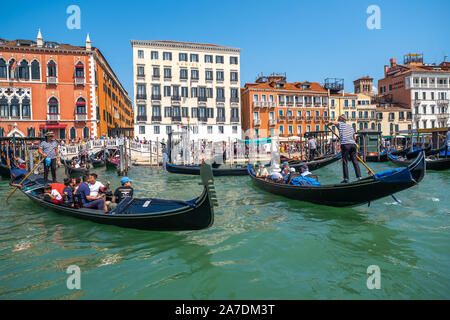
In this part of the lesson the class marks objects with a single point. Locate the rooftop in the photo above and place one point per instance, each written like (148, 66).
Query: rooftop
(180, 43)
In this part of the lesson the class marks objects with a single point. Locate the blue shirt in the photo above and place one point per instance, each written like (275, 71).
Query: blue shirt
(83, 191)
(69, 193)
(19, 173)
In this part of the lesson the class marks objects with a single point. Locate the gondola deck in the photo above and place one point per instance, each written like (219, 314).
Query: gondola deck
(349, 194)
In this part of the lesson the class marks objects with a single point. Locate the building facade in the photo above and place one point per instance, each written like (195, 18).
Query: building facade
(422, 88)
(186, 86)
(46, 85)
(392, 119)
(273, 107)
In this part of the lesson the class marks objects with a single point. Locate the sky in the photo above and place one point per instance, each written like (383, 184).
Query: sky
(308, 40)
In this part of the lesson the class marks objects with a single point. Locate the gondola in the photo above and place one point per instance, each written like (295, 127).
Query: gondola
(195, 170)
(112, 163)
(413, 154)
(143, 213)
(97, 159)
(349, 194)
(316, 164)
(72, 171)
(437, 164)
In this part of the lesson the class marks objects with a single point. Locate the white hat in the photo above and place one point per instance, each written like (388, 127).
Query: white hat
(292, 169)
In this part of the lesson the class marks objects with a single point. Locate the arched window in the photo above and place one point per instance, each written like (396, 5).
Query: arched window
(361, 126)
(31, 132)
(24, 72)
(354, 126)
(12, 64)
(53, 106)
(4, 108)
(2, 132)
(14, 109)
(51, 69)
(80, 107)
(26, 110)
(35, 70)
(72, 133)
(366, 125)
(379, 127)
(85, 132)
(3, 72)
(79, 70)
(392, 127)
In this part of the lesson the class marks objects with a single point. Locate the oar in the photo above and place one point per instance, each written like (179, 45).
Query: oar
(22, 181)
(357, 157)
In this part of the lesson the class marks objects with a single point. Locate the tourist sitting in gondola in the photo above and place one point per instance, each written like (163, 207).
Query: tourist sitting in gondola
(262, 171)
(124, 191)
(97, 188)
(68, 191)
(53, 195)
(305, 171)
(84, 194)
(276, 175)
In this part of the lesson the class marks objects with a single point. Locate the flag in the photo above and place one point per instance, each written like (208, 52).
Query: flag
(13, 69)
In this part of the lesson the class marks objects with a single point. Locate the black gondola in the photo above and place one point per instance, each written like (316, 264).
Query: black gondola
(98, 159)
(349, 194)
(72, 171)
(316, 164)
(432, 164)
(144, 213)
(413, 154)
(195, 170)
(110, 164)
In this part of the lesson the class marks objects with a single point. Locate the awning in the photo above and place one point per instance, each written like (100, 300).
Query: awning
(52, 126)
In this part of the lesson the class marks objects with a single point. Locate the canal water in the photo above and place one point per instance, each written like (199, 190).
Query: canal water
(261, 246)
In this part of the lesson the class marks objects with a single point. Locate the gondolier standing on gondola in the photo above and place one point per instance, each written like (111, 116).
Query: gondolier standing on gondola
(49, 150)
(348, 146)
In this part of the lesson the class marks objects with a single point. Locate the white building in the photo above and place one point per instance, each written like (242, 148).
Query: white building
(186, 86)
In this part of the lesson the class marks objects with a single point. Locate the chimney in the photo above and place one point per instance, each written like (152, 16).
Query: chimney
(386, 68)
(39, 40)
(393, 62)
(88, 43)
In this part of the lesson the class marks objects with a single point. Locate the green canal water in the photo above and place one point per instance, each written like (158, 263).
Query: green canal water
(261, 246)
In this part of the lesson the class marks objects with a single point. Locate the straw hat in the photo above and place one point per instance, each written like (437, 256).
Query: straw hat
(342, 118)
(50, 134)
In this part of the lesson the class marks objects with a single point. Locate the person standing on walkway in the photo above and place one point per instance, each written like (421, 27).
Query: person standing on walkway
(49, 150)
(312, 145)
(348, 146)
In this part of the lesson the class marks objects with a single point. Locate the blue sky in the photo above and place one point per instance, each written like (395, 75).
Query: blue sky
(309, 40)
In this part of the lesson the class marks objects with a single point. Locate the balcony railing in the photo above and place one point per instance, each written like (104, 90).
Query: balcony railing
(299, 118)
(234, 99)
(202, 99)
(317, 103)
(156, 118)
(155, 76)
(220, 99)
(52, 116)
(79, 81)
(308, 103)
(234, 119)
(290, 118)
(220, 119)
(176, 118)
(141, 96)
(156, 97)
(256, 122)
(141, 76)
(80, 117)
(256, 104)
(202, 119)
(417, 102)
(443, 102)
(271, 104)
(176, 98)
(442, 116)
(281, 118)
(309, 118)
(272, 122)
(51, 80)
(141, 118)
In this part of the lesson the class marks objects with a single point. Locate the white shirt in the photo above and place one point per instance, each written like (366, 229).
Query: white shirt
(306, 173)
(56, 194)
(94, 188)
(276, 176)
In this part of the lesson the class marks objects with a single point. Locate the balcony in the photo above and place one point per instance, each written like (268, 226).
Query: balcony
(155, 97)
(256, 104)
(52, 116)
(326, 118)
(271, 104)
(290, 118)
(290, 103)
(156, 118)
(272, 122)
(167, 78)
(80, 117)
(391, 119)
(417, 117)
(220, 99)
(256, 122)
(299, 118)
(308, 103)
(202, 99)
(141, 118)
(79, 81)
(220, 119)
(417, 102)
(234, 99)
(299, 103)
(51, 80)
(141, 96)
(176, 118)
(308, 118)
(202, 119)
(317, 103)
(155, 77)
(141, 76)
(281, 118)
(442, 116)
(176, 100)
(318, 118)
(442, 102)
(234, 119)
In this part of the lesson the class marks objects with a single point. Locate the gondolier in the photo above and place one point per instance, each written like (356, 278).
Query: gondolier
(348, 147)
(49, 150)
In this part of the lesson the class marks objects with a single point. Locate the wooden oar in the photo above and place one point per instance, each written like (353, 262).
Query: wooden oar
(22, 181)
(357, 157)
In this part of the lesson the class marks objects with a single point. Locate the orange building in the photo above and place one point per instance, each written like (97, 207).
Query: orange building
(50, 86)
(273, 107)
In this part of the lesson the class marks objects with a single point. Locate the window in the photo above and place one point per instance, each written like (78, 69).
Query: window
(234, 129)
(156, 72)
(51, 69)
(155, 90)
(26, 110)
(194, 112)
(23, 70)
(185, 112)
(209, 92)
(140, 71)
(167, 91)
(156, 129)
(141, 91)
(141, 54)
(210, 129)
(194, 57)
(219, 59)
(167, 56)
(168, 129)
(167, 73)
(281, 129)
(167, 112)
(193, 92)
(299, 129)
(79, 70)
(353, 103)
(234, 94)
(221, 129)
(233, 76)
(53, 106)
(182, 57)
(31, 132)
(346, 103)
(194, 74)
(219, 75)
(183, 74)
(233, 60)
(80, 107)
(184, 92)
(154, 55)
(209, 75)
(72, 133)
(220, 93)
(141, 129)
(290, 130)
(208, 58)
(2, 69)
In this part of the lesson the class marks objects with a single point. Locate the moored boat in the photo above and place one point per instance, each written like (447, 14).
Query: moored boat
(143, 213)
(349, 194)
(195, 170)
(432, 163)
(316, 164)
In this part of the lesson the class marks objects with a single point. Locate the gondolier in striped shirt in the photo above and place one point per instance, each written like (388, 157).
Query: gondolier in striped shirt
(348, 146)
